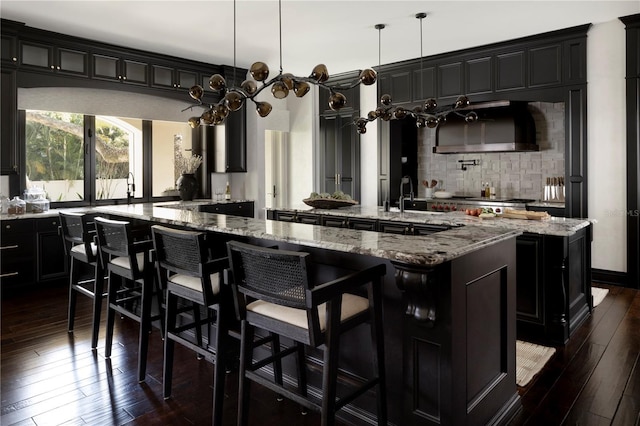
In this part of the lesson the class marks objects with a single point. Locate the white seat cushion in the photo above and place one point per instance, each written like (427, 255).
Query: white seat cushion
(79, 248)
(194, 282)
(123, 262)
(351, 306)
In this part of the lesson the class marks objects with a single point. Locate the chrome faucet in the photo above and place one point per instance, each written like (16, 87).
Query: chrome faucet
(131, 187)
(403, 182)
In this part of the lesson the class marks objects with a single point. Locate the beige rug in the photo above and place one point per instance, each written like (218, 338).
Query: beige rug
(530, 358)
(598, 295)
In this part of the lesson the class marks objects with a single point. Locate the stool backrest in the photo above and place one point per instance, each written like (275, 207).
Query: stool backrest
(114, 240)
(276, 276)
(78, 228)
(183, 252)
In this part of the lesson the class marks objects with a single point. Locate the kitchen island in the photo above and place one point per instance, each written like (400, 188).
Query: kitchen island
(553, 259)
(449, 310)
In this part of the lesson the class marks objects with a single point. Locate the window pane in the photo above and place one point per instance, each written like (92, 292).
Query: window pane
(170, 139)
(55, 154)
(118, 157)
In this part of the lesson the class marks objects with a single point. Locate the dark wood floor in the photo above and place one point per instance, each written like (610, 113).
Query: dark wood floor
(50, 377)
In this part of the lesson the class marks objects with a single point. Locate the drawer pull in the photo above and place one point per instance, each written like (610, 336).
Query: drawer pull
(9, 274)
(9, 247)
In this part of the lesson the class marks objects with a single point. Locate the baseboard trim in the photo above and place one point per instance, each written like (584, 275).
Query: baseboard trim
(609, 277)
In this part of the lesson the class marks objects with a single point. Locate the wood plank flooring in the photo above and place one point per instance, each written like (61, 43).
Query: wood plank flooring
(51, 377)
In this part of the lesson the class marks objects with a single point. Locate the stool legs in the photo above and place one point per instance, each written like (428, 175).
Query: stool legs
(246, 349)
(98, 290)
(73, 296)
(145, 327)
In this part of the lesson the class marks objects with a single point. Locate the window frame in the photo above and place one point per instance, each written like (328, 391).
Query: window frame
(90, 166)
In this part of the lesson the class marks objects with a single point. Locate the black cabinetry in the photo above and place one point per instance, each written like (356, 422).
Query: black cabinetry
(166, 76)
(115, 67)
(554, 284)
(17, 251)
(549, 67)
(339, 141)
(50, 58)
(243, 208)
(9, 155)
(51, 255)
(32, 252)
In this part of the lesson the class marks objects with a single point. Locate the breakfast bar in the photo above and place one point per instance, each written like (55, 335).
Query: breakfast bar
(449, 311)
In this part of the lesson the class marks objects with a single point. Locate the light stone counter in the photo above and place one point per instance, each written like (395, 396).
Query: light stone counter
(557, 226)
(415, 250)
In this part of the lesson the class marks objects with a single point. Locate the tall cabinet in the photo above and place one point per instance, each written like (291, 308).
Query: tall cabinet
(339, 141)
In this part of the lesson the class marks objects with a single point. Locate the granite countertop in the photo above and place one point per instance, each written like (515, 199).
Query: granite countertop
(558, 226)
(417, 250)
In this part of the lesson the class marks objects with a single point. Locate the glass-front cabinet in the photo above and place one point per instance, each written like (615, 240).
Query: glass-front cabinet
(64, 60)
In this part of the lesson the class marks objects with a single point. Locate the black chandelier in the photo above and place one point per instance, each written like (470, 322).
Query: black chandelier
(281, 85)
(429, 114)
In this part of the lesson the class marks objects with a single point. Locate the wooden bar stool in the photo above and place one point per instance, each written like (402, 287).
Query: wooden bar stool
(193, 281)
(132, 291)
(275, 293)
(78, 232)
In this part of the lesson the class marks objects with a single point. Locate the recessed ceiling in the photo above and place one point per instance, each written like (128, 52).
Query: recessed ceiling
(340, 34)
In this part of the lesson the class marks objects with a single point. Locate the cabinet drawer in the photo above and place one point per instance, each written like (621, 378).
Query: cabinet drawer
(363, 224)
(394, 227)
(49, 224)
(15, 274)
(334, 222)
(17, 226)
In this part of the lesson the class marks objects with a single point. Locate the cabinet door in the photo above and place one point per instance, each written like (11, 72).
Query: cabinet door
(8, 143)
(340, 147)
(529, 278)
(236, 141)
(106, 67)
(162, 76)
(9, 50)
(17, 253)
(36, 55)
(308, 218)
(52, 258)
(285, 216)
(72, 62)
(135, 72)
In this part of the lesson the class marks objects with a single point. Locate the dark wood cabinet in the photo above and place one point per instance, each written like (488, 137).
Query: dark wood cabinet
(510, 71)
(51, 255)
(340, 154)
(361, 224)
(236, 141)
(242, 208)
(9, 155)
(478, 74)
(545, 65)
(392, 227)
(554, 284)
(168, 77)
(426, 229)
(450, 80)
(334, 221)
(9, 51)
(51, 58)
(32, 252)
(119, 68)
(17, 251)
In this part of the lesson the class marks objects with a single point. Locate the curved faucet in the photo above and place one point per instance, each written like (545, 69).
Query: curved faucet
(403, 182)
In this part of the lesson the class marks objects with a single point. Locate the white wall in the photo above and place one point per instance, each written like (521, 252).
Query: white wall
(606, 146)
(369, 155)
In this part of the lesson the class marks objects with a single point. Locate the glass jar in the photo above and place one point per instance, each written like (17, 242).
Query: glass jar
(17, 206)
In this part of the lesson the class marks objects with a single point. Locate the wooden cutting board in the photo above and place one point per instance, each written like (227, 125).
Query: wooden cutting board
(525, 215)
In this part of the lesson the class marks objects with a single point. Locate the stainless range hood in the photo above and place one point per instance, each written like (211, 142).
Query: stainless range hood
(502, 126)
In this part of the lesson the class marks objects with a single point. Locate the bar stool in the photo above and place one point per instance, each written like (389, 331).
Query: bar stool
(275, 293)
(187, 274)
(78, 232)
(130, 295)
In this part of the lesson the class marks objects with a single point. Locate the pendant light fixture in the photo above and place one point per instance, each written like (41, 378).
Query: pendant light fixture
(426, 115)
(233, 98)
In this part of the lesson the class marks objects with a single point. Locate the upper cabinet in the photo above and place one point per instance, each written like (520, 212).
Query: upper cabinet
(46, 57)
(120, 68)
(173, 78)
(550, 60)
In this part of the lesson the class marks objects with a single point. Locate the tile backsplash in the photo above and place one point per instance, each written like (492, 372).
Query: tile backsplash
(514, 175)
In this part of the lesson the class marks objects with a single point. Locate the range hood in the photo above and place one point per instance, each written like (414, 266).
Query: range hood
(502, 126)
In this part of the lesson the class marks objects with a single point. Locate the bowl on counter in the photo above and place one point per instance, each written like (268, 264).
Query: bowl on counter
(442, 194)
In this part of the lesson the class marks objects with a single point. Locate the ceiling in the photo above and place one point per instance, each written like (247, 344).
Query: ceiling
(340, 34)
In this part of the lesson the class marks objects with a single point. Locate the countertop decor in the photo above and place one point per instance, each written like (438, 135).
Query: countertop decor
(328, 203)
